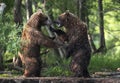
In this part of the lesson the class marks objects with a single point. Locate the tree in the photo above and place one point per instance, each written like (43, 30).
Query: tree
(2, 7)
(82, 10)
(28, 8)
(1, 60)
(17, 12)
(102, 47)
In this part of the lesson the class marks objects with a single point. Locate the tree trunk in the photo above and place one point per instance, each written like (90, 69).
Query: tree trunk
(2, 50)
(1, 61)
(2, 7)
(101, 26)
(92, 45)
(83, 12)
(79, 4)
(28, 8)
(18, 17)
(17, 12)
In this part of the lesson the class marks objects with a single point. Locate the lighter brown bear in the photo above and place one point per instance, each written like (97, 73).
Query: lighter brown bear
(32, 38)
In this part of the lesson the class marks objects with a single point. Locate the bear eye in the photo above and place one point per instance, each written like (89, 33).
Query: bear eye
(46, 18)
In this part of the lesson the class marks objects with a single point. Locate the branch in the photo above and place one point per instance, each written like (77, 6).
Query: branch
(107, 73)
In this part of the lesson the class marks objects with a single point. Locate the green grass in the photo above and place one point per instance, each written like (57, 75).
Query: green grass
(55, 66)
(104, 62)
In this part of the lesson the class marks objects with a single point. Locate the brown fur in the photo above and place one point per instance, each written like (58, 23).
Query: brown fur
(78, 45)
(32, 38)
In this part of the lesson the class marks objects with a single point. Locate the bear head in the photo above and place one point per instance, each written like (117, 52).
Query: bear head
(66, 19)
(38, 19)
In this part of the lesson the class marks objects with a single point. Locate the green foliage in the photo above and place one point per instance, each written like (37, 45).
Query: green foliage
(11, 73)
(56, 71)
(10, 39)
(63, 5)
(111, 22)
(5, 75)
(55, 66)
(105, 62)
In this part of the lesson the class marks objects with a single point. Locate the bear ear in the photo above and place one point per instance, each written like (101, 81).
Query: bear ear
(39, 11)
(67, 12)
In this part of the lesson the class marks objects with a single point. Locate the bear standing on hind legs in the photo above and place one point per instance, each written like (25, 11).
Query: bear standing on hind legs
(78, 45)
(32, 38)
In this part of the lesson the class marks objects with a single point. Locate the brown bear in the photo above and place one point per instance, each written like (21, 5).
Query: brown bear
(32, 38)
(78, 45)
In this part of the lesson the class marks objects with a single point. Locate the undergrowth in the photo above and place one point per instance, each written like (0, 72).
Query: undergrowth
(105, 62)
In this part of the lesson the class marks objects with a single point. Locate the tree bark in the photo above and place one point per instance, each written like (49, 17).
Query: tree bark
(92, 45)
(28, 9)
(79, 4)
(101, 26)
(83, 12)
(17, 12)
(1, 59)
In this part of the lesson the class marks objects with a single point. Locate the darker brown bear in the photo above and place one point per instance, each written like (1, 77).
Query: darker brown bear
(32, 39)
(78, 45)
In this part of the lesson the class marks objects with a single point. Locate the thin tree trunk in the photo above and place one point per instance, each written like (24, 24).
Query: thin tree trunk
(2, 50)
(2, 7)
(28, 8)
(83, 12)
(17, 12)
(18, 20)
(1, 61)
(79, 4)
(101, 26)
(92, 45)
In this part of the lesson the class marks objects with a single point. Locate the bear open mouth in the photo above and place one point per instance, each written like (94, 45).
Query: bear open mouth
(59, 23)
(47, 22)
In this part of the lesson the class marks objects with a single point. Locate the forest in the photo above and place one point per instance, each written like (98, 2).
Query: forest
(103, 23)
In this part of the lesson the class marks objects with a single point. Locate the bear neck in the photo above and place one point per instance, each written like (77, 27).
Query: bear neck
(34, 27)
(71, 24)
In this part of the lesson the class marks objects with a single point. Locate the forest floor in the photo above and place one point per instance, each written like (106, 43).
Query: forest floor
(94, 75)
(59, 80)
(97, 77)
